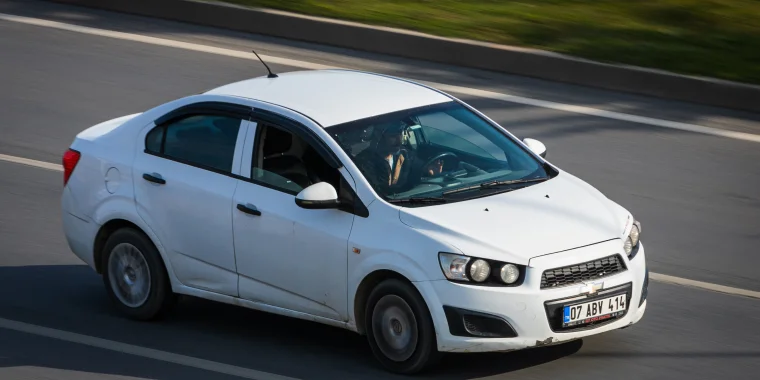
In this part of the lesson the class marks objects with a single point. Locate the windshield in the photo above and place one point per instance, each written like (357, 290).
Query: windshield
(443, 152)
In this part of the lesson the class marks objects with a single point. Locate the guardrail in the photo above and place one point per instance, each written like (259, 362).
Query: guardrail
(473, 54)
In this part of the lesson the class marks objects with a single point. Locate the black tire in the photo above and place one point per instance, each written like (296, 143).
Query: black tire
(160, 298)
(396, 299)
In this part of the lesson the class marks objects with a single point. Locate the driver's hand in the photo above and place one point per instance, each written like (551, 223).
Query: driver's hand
(435, 168)
(395, 175)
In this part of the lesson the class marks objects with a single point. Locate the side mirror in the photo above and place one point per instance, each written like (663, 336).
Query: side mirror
(320, 195)
(536, 146)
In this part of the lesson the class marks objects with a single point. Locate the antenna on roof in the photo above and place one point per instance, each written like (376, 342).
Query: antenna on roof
(271, 74)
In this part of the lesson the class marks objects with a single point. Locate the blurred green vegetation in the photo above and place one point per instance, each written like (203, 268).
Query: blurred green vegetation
(715, 38)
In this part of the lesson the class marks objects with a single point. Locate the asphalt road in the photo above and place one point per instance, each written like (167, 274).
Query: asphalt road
(697, 196)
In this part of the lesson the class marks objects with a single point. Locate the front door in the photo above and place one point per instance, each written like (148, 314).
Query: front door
(183, 190)
(288, 256)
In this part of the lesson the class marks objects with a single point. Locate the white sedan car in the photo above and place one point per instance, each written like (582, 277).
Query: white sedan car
(358, 200)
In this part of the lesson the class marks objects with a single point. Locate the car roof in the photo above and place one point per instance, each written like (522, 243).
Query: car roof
(334, 96)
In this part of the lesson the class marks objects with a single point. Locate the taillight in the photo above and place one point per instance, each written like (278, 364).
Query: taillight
(70, 161)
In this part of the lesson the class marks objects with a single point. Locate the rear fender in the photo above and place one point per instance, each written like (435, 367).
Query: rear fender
(123, 208)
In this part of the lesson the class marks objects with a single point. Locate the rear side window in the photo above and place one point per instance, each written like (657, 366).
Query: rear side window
(201, 140)
(154, 140)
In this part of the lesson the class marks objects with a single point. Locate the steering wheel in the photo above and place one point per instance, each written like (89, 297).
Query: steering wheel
(438, 157)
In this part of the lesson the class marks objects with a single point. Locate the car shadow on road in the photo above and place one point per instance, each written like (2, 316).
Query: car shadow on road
(72, 298)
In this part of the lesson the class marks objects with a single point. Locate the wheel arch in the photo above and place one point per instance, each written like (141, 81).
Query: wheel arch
(105, 231)
(368, 283)
(118, 223)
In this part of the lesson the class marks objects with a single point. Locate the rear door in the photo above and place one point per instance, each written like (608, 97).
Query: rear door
(184, 183)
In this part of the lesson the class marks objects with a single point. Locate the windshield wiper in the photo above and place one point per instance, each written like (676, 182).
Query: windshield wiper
(487, 185)
(418, 200)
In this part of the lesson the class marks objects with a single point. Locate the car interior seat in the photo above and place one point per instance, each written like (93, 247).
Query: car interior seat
(278, 159)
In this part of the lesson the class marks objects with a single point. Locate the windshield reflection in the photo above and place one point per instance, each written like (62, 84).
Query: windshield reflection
(432, 151)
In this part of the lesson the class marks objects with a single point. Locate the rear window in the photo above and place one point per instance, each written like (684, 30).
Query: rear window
(202, 140)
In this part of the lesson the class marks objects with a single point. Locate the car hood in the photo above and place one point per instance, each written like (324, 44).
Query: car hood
(559, 214)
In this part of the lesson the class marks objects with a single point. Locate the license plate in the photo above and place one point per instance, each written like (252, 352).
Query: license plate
(594, 311)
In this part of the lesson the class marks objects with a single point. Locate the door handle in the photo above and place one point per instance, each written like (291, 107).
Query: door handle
(248, 209)
(153, 178)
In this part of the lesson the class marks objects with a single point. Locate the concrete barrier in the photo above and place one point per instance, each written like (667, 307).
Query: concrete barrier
(499, 58)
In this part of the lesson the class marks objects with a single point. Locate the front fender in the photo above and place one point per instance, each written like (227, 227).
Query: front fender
(377, 262)
(391, 261)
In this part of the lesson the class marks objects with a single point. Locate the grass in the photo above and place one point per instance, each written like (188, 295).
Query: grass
(715, 38)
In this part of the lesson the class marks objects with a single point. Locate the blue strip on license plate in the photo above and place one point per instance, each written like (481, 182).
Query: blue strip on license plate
(594, 311)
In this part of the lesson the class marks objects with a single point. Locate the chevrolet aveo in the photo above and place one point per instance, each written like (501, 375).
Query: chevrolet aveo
(358, 200)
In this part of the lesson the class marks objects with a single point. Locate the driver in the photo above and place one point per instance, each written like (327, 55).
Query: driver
(389, 167)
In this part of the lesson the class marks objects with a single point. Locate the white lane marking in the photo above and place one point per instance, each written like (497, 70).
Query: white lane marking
(145, 352)
(703, 285)
(654, 276)
(26, 161)
(597, 112)
(590, 111)
(159, 41)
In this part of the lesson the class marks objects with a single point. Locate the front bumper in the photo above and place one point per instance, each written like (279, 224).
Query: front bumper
(533, 314)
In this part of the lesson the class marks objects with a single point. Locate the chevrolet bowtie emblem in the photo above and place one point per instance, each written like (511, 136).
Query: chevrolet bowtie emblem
(592, 287)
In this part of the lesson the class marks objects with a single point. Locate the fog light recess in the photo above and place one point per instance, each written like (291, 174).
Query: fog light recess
(469, 323)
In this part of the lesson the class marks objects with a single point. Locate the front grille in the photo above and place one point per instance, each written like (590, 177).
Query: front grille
(573, 274)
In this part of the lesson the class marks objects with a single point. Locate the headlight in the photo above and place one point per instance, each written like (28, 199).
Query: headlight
(453, 266)
(479, 271)
(509, 273)
(631, 244)
(628, 246)
(634, 235)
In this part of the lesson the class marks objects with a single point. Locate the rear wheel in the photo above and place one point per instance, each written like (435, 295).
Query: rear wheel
(399, 328)
(135, 276)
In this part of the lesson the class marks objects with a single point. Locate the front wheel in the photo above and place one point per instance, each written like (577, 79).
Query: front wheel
(399, 328)
(135, 276)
